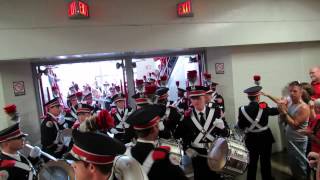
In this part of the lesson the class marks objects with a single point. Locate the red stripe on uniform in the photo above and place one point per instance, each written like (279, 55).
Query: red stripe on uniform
(254, 94)
(14, 133)
(151, 123)
(91, 157)
(79, 110)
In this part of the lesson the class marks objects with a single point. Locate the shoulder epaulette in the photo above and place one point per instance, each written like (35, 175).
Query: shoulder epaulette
(7, 163)
(160, 153)
(263, 105)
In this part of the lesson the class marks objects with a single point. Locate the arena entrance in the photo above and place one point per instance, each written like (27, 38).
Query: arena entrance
(103, 77)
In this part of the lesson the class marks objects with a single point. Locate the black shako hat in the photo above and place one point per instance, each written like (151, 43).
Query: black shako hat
(94, 147)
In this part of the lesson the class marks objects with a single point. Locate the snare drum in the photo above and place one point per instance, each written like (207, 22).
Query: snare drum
(56, 170)
(228, 157)
(175, 149)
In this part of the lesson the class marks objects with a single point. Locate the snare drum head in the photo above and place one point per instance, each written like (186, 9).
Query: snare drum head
(174, 146)
(56, 170)
(175, 151)
(218, 154)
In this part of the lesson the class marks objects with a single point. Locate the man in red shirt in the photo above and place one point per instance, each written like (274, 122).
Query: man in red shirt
(313, 130)
(315, 81)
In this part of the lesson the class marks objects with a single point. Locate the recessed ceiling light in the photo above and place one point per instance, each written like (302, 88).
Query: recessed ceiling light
(62, 57)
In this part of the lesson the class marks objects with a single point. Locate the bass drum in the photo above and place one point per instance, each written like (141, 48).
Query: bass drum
(228, 156)
(56, 170)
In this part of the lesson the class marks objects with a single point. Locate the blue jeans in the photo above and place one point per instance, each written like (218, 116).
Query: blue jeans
(298, 165)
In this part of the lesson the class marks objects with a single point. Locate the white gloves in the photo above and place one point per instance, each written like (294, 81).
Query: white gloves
(191, 153)
(35, 152)
(114, 131)
(219, 123)
(161, 126)
(61, 119)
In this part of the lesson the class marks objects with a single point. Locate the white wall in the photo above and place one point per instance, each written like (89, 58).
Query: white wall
(278, 64)
(3, 122)
(225, 87)
(40, 28)
(26, 104)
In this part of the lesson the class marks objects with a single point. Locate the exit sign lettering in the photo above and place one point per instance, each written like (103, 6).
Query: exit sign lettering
(78, 9)
(184, 9)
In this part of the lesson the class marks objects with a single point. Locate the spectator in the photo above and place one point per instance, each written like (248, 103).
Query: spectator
(296, 114)
(313, 130)
(315, 81)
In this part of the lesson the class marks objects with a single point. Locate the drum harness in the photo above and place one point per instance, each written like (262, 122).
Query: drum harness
(203, 130)
(254, 123)
(123, 125)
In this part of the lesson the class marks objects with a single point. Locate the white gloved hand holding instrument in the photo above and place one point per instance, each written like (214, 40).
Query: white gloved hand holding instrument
(219, 123)
(35, 152)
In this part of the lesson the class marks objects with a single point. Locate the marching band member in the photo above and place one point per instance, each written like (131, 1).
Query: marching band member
(120, 113)
(14, 165)
(171, 116)
(51, 130)
(83, 111)
(140, 98)
(253, 119)
(88, 99)
(198, 128)
(71, 112)
(217, 98)
(152, 97)
(156, 162)
(93, 154)
(182, 102)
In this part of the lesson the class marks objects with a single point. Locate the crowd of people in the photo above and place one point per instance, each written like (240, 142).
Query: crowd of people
(93, 137)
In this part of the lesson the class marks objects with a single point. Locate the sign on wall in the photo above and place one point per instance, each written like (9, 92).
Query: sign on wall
(219, 68)
(78, 9)
(18, 88)
(184, 9)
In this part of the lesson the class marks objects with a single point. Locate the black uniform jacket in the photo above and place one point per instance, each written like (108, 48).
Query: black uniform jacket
(188, 131)
(162, 169)
(49, 134)
(15, 173)
(252, 110)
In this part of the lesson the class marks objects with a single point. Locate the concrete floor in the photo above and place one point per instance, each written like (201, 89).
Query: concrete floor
(280, 169)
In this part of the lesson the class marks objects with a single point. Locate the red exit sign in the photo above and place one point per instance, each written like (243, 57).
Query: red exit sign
(78, 9)
(184, 9)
